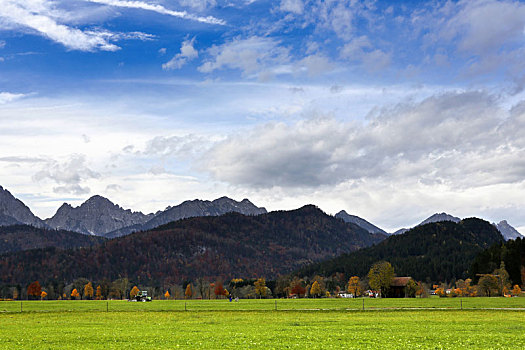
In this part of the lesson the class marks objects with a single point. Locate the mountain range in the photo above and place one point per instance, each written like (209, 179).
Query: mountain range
(100, 217)
(433, 252)
(215, 247)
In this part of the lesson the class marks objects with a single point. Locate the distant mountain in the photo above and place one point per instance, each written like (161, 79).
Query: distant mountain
(23, 237)
(96, 216)
(440, 217)
(433, 218)
(190, 209)
(433, 252)
(227, 246)
(13, 211)
(359, 222)
(507, 231)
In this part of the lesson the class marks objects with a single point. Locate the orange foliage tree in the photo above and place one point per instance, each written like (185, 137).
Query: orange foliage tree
(34, 289)
(219, 289)
(167, 295)
(43, 295)
(88, 290)
(75, 294)
(188, 293)
(354, 286)
(98, 294)
(134, 292)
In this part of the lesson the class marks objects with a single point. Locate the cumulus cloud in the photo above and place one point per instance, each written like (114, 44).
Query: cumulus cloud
(360, 49)
(68, 174)
(187, 53)
(159, 9)
(459, 139)
(252, 55)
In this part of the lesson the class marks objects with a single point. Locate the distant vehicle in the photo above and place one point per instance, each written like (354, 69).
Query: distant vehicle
(142, 296)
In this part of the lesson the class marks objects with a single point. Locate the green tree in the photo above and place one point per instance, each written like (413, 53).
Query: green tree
(411, 288)
(503, 278)
(380, 276)
(315, 291)
(354, 286)
(488, 285)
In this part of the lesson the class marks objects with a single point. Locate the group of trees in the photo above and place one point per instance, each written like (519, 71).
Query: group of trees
(379, 279)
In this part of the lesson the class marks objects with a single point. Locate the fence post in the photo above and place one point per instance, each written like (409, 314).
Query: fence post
(363, 304)
(275, 304)
(185, 308)
(21, 306)
(461, 300)
(107, 306)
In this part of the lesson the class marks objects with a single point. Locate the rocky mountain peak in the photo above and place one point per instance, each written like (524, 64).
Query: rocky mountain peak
(13, 210)
(96, 216)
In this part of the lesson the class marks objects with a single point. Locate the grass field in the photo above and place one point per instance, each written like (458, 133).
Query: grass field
(298, 324)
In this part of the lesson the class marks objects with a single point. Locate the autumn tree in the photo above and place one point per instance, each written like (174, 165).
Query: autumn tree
(298, 288)
(134, 292)
(88, 290)
(43, 295)
(188, 293)
(218, 289)
(354, 286)
(316, 289)
(98, 293)
(75, 294)
(421, 291)
(380, 276)
(516, 290)
(167, 295)
(260, 287)
(34, 289)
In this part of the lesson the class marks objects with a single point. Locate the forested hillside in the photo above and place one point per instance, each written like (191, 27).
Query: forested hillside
(512, 253)
(23, 237)
(434, 252)
(232, 245)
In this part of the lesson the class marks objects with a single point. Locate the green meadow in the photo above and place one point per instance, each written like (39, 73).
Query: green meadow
(484, 323)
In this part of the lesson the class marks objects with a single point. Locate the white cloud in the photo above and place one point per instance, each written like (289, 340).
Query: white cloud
(251, 55)
(187, 53)
(2, 44)
(159, 9)
(455, 139)
(68, 174)
(41, 17)
(6, 97)
(294, 6)
(360, 49)
(199, 5)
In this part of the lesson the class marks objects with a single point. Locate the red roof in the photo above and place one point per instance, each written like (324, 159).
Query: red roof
(400, 281)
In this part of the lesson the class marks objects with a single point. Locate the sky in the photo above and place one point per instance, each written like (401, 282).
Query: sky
(389, 110)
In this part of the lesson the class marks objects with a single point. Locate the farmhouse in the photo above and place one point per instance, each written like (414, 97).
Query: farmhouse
(398, 287)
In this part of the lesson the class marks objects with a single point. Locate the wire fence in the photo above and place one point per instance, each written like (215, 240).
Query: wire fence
(224, 305)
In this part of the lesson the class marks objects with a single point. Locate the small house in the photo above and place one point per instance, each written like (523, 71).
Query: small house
(398, 287)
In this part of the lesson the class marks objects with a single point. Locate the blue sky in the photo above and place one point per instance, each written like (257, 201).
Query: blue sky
(390, 110)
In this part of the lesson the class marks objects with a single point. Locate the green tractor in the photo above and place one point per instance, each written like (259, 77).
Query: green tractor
(142, 296)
